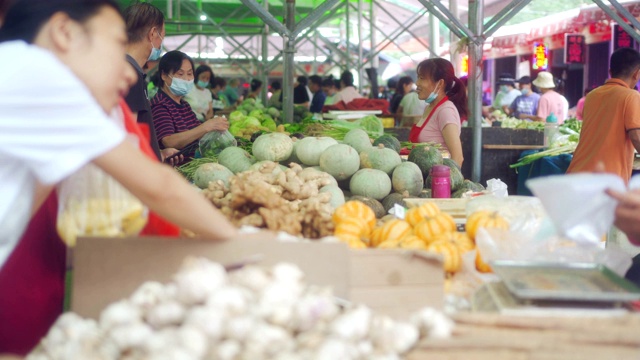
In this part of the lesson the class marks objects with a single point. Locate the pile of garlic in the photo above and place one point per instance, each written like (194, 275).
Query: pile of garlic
(250, 313)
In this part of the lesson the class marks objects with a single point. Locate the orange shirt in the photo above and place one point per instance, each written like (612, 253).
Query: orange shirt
(610, 111)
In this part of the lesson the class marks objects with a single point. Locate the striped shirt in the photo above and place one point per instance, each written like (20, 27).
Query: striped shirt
(171, 118)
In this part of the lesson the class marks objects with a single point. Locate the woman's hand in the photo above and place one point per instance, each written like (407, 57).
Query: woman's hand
(628, 213)
(165, 153)
(217, 124)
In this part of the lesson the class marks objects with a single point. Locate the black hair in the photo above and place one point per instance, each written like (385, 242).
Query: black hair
(25, 18)
(170, 63)
(276, 85)
(141, 17)
(330, 82)
(315, 79)
(255, 85)
(156, 79)
(440, 69)
(624, 62)
(405, 80)
(302, 80)
(218, 81)
(337, 84)
(203, 69)
(347, 78)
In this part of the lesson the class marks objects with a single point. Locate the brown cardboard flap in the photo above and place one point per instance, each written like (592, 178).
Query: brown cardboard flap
(387, 267)
(107, 269)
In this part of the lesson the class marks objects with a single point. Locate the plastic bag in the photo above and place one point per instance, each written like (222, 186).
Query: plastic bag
(92, 203)
(580, 213)
(212, 143)
(497, 187)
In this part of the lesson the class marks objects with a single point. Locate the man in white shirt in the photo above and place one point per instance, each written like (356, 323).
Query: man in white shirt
(43, 142)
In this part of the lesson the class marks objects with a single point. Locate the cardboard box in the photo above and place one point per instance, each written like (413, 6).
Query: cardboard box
(395, 282)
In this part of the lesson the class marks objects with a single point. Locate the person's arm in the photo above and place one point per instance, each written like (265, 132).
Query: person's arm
(544, 109)
(452, 139)
(627, 216)
(398, 114)
(165, 192)
(182, 139)
(634, 136)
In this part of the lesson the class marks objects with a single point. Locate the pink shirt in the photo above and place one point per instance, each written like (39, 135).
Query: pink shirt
(552, 102)
(580, 108)
(444, 115)
(347, 95)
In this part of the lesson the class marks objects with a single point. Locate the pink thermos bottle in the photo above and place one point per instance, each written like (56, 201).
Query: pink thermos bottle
(440, 182)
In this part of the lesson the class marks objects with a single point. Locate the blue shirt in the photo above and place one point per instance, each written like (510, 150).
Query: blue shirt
(524, 104)
(318, 102)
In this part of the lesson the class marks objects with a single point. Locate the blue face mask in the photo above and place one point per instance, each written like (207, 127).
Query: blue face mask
(504, 88)
(203, 84)
(525, 91)
(180, 87)
(432, 97)
(155, 53)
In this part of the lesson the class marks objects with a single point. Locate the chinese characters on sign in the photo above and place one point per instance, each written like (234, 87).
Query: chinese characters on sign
(621, 38)
(574, 49)
(540, 56)
(464, 66)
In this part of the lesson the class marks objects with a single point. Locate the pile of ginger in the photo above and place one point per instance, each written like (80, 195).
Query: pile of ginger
(277, 200)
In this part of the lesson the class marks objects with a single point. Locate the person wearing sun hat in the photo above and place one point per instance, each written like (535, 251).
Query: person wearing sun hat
(525, 106)
(550, 101)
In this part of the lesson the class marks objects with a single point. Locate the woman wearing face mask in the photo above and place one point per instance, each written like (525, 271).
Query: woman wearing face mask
(176, 124)
(256, 89)
(446, 97)
(200, 97)
(405, 84)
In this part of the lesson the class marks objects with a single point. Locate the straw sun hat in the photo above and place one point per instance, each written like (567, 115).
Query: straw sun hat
(544, 80)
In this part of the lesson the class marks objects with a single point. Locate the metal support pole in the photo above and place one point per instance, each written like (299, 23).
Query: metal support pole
(179, 13)
(360, 40)
(406, 28)
(434, 35)
(625, 13)
(289, 69)
(614, 15)
(314, 68)
(445, 16)
(265, 55)
(313, 16)
(503, 16)
(348, 37)
(375, 60)
(475, 87)
(170, 9)
(453, 39)
(266, 17)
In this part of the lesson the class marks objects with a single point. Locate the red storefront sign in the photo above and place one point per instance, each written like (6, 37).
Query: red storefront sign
(574, 49)
(621, 38)
(540, 56)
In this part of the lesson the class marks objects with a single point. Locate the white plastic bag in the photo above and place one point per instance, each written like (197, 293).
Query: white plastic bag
(577, 203)
(497, 187)
(92, 203)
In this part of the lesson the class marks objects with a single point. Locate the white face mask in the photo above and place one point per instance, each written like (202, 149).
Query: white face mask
(180, 87)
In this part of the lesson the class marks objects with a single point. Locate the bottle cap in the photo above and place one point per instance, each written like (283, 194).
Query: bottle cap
(440, 170)
(552, 118)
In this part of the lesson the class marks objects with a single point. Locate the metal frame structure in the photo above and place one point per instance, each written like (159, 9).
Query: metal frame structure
(294, 34)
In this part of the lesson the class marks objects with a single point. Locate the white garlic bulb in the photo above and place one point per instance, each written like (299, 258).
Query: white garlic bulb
(128, 336)
(164, 314)
(119, 313)
(148, 295)
(227, 350)
(393, 337)
(353, 325)
(198, 279)
(433, 323)
(210, 321)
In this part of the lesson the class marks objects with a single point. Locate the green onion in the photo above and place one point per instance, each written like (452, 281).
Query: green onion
(189, 169)
(566, 149)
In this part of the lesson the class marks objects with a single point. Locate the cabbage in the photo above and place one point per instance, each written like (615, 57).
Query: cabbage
(212, 143)
(372, 125)
(269, 124)
(236, 116)
(250, 120)
(235, 128)
(256, 113)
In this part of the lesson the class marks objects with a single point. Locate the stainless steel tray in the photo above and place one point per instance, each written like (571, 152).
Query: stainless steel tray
(566, 282)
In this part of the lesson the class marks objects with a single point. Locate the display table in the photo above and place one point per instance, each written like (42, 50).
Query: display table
(497, 337)
(549, 165)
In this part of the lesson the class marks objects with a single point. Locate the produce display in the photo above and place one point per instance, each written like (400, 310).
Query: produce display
(280, 200)
(566, 143)
(252, 117)
(250, 313)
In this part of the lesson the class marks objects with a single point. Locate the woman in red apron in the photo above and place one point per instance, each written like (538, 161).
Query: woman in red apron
(447, 98)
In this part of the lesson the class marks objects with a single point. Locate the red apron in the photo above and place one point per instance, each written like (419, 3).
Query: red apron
(155, 224)
(415, 130)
